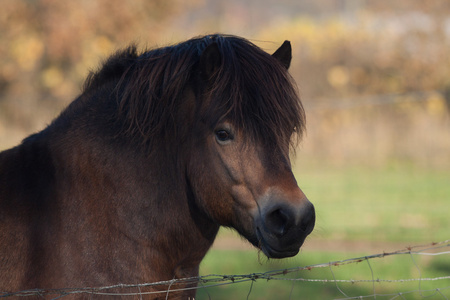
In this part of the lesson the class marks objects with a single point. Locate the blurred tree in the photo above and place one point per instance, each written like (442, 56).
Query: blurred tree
(48, 46)
(368, 54)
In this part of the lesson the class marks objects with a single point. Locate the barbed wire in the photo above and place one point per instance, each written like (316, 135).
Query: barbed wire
(213, 280)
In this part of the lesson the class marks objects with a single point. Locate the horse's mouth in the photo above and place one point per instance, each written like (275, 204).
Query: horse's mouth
(271, 251)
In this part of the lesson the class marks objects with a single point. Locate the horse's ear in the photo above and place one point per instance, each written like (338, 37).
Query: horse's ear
(210, 61)
(284, 54)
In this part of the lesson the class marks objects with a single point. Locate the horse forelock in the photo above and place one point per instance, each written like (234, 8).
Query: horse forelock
(257, 94)
(251, 89)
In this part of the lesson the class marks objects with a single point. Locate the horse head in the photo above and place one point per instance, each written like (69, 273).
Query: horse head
(240, 172)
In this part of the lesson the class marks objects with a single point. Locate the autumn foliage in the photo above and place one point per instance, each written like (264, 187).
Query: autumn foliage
(341, 60)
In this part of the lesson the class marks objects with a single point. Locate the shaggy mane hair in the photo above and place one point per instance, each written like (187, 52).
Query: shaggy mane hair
(251, 89)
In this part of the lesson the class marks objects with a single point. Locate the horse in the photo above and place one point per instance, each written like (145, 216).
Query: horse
(131, 182)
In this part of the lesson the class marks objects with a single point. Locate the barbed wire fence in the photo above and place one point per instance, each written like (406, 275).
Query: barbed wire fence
(214, 280)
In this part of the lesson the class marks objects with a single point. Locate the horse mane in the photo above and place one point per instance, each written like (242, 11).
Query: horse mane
(114, 67)
(251, 89)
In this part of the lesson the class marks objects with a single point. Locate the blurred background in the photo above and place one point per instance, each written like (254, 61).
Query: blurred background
(374, 77)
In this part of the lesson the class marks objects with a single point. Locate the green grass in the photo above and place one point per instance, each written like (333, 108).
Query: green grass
(400, 203)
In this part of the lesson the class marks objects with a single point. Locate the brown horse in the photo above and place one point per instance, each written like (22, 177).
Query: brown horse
(132, 181)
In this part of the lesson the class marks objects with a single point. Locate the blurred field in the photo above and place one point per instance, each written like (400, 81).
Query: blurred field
(397, 203)
(374, 77)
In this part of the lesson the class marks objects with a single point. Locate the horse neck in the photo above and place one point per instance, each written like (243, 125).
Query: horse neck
(138, 195)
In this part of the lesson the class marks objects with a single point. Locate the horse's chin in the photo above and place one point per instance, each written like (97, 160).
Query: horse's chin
(271, 251)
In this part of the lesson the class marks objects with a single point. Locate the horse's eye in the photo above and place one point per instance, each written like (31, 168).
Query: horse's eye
(223, 135)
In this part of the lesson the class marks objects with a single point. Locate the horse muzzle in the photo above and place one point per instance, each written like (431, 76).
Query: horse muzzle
(281, 228)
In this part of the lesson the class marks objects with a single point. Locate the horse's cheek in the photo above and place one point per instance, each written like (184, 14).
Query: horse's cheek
(210, 193)
(217, 201)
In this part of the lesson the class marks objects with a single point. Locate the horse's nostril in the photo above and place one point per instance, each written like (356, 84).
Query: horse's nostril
(278, 221)
(308, 219)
